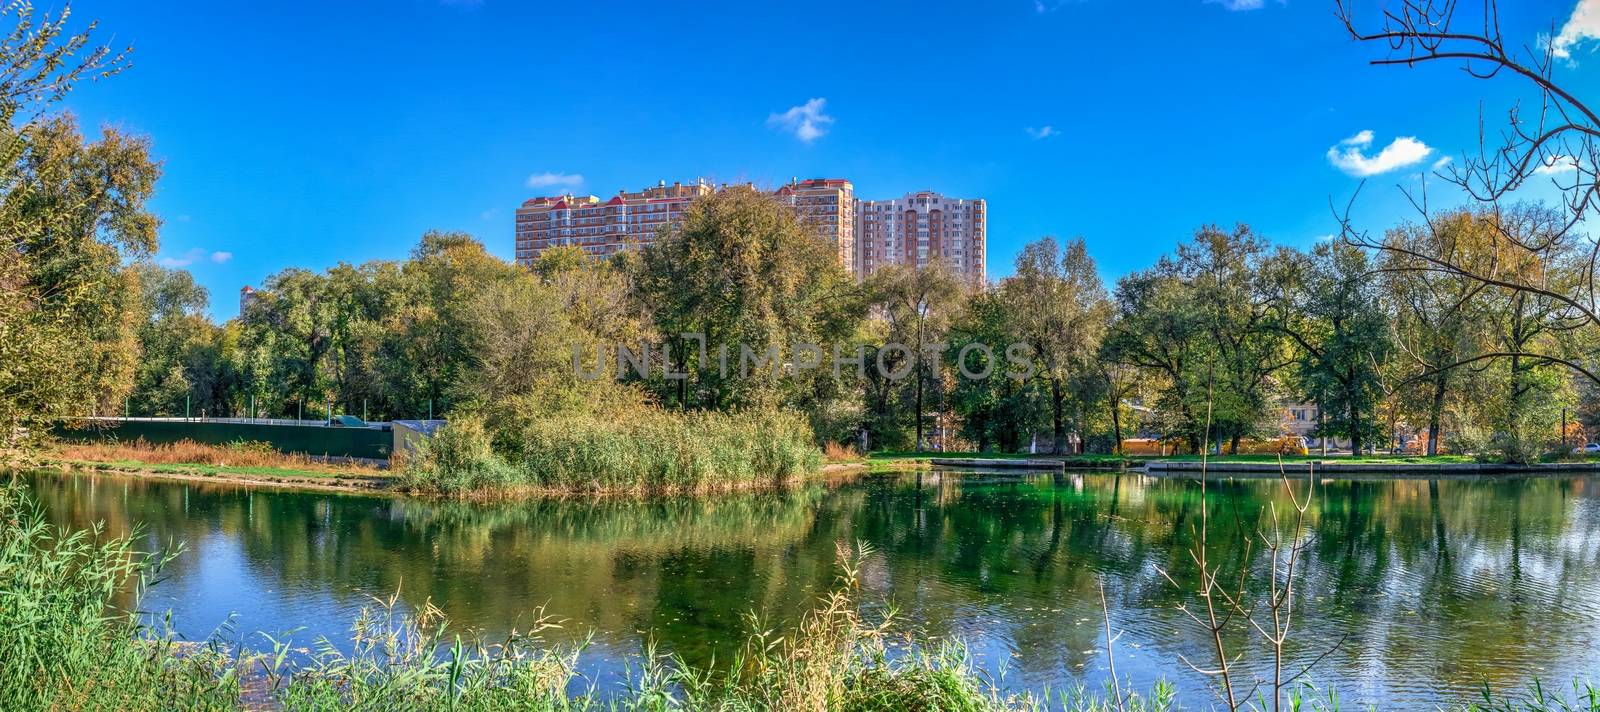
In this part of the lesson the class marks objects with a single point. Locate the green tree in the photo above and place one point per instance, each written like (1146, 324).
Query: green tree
(1202, 323)
(180, 367)
(918, 305)
(1333, 310)
(743, 271)
(1059, 305)
(996, 410)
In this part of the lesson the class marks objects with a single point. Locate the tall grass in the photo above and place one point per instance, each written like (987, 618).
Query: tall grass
(64, 645)
(641, 450)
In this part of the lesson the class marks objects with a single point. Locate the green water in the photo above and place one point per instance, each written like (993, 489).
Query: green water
(1433, 586)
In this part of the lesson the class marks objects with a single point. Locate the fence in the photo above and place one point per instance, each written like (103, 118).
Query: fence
(309, 437)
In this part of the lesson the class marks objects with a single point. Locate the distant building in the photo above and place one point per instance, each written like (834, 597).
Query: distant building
(1299, 419)
(828, 205)
(247, 296)
(866, 235)
(598, 228)
(602, 228)
(921, 227)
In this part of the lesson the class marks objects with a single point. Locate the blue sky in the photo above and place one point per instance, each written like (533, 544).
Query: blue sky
(304, 135)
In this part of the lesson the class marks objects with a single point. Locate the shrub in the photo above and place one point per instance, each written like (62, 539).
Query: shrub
(458, 458)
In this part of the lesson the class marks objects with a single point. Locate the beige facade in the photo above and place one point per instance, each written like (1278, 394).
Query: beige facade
(921, 227)
(601, 228)
(828, 205)
(866, 235)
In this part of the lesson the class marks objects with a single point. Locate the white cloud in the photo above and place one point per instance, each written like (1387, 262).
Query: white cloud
(1442, 162)
(1045, 132)
(1583, 25)
(1553, 165)
(1350, 155)
(192, 256)
(555, 180)
(1237, 5)
(807, 121)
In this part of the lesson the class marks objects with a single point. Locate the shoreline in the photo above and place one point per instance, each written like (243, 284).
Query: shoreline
(383, 485)
(1402, 470)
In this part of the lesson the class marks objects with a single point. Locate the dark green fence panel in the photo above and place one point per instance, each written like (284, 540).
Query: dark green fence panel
(310, 440)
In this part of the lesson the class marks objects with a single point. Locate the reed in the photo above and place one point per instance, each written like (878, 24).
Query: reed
(643, 450)
(67, 646)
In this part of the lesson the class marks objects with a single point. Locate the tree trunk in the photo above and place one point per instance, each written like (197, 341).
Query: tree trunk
(1116, 425)
(1353, 417)
(1435, 412)
(1060, 437)
(919, 404)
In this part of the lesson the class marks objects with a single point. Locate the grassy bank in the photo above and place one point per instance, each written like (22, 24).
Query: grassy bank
(643, 450)
(238, 462)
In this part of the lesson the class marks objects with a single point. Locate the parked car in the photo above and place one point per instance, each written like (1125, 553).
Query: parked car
(1591, 448)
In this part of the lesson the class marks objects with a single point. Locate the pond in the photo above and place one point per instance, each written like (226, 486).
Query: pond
(1433, 586)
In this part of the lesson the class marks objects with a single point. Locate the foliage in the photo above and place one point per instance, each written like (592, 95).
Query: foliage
(1334, 313)
(742, 270)
(997, 410)
(918, 306)
(71, 211)
(1061, 310)
(640, 448)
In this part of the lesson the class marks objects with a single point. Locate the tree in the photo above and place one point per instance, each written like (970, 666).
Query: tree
(1204, 323)
(1159, 329)
(919, 304)
(1562, 141)
(72, 212)
(744, 272)
(180, 369)
(1433, 313)
(1334, 313)
(1225, 272)
(1061, 310)
(996, 409)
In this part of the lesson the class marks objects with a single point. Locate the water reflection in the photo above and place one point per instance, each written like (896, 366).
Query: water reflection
(1434, 586)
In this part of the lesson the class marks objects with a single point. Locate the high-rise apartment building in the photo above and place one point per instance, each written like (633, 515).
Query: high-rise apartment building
(920, 227)
(866, 235)
(828, 205)
(601, 228)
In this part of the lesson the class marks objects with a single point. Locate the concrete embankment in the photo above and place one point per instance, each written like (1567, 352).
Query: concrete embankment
(999, 463)
(1386, 470)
